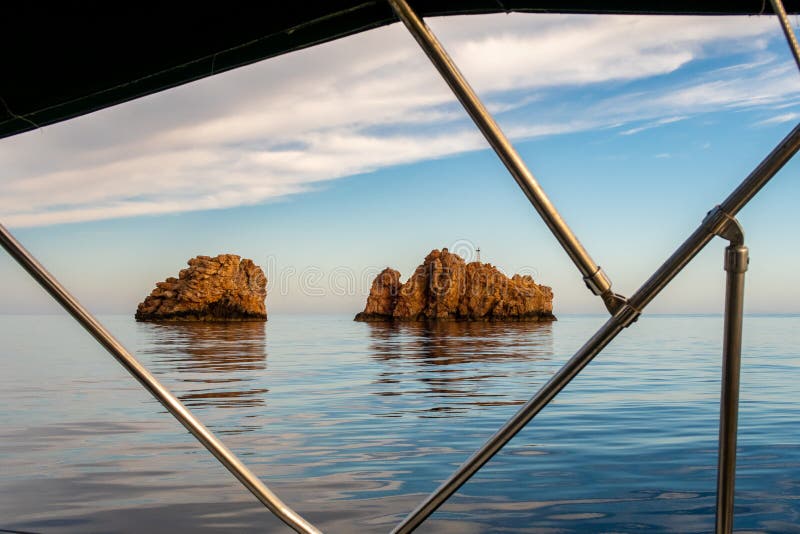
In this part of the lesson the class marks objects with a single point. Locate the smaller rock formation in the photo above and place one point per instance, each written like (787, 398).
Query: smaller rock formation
(446, 288)
(382, 298)
(225, 288)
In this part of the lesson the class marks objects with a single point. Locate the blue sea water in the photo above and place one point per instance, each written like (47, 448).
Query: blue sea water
(352, 424)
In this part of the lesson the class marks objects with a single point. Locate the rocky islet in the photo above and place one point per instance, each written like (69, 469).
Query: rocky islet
(444, 287)
(221, 288)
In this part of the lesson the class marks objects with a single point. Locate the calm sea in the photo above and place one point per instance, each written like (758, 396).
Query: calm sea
(353, 424)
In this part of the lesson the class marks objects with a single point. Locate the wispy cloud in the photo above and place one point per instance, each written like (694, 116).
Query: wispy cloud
(784, 117)
(653, 124)
(352, 106)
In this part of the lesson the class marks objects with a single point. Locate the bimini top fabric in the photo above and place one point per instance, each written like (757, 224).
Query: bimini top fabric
(58, 63)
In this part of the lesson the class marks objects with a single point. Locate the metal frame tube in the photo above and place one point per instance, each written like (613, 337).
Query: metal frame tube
(736, 260)
(593, 275)
(712, 225)
(156, 389)
(777, 7)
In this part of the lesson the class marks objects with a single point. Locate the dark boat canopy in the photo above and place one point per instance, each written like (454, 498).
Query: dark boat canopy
(62, 65)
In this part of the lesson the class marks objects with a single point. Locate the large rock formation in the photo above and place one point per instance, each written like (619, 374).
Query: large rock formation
(444, 287)
(225, 288)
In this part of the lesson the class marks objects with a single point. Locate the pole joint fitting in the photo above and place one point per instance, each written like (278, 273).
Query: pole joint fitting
(613, 301)
(627, 314)
(598, 283)
(737, 258)
(725, 225)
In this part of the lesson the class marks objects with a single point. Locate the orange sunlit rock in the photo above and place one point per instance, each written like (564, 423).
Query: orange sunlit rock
(225, 288)
(445, 287)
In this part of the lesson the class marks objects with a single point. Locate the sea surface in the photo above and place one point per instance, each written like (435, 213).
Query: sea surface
(352, 424)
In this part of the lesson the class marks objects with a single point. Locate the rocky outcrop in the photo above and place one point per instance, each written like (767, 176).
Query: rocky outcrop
(225, 288)
(446, 288)
(382, 298)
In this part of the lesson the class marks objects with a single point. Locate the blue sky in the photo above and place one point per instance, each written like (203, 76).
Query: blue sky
(328, 164)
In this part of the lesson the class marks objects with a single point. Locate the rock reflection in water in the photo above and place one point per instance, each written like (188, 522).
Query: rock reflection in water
(460, 365)
(216, 363)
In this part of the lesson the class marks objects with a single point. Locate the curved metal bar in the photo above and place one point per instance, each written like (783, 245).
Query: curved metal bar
(156, 389)
(777, 7)
(710, 227)
(594, 277)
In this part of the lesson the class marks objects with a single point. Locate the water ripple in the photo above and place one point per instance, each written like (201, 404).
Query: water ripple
(353, 424)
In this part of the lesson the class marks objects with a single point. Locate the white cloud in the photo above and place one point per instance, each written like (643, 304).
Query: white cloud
(372, 100)
(653, 124)
(784, 117)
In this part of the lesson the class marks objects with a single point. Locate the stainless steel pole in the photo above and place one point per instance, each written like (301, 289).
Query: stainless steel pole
(594, 277)
(714, 223)
(156, 389)
(777, 7)
(736, 260)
